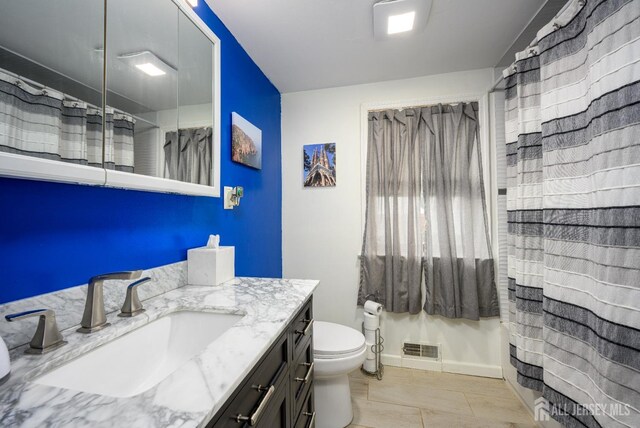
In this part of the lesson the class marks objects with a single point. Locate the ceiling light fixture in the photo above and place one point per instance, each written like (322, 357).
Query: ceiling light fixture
(401, 23)
(148, 63)
(399, 18)
(150, 69)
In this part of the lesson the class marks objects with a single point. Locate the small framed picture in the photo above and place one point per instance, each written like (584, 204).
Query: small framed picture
(246, 142)
(319, 165)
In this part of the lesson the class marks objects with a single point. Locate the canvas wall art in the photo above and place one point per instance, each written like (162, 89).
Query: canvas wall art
(319, 165)
(246, 142)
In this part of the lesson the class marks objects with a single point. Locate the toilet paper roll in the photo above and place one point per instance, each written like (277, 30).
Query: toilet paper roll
(370, 366)
(370, 337)
(371, 322)
(372, 307)
(369, 354)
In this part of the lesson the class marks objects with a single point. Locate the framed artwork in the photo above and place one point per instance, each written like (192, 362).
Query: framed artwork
(246, 142)
(319, 165)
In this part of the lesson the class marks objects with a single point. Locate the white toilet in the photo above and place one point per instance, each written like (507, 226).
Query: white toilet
(337, 351)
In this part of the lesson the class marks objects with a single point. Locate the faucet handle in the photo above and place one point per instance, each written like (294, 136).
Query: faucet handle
(47, 336)
(132, 305)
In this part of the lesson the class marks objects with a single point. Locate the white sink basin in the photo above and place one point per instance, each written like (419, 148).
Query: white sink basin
(139, 360)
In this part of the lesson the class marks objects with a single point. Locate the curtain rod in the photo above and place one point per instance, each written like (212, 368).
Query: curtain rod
(453, 104)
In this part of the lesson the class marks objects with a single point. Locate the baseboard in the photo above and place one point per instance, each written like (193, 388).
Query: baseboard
(443, 366)
(483, 370)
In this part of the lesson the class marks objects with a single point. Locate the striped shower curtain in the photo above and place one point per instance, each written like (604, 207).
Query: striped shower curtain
(572, 124)
(48, 124)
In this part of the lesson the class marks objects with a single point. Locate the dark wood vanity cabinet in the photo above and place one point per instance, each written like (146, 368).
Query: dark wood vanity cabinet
(278, 393)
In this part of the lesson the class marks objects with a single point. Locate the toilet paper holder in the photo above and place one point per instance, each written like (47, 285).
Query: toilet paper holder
(376, 348)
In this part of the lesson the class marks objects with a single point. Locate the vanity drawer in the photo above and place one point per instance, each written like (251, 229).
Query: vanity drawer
(277, 414)
(259, 394)
(307, 418)
(302, 377)
(302, 328)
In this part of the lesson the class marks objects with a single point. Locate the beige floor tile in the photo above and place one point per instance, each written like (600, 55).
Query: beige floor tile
(421, 396)
(441, 400)
(383, 415)
(471, 384)
(448, 381)
(503, 409)
(357, 374)
(436, 419)
(392, 374)
(359, 388)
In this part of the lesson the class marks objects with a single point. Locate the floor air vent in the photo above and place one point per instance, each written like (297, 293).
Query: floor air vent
(420, 350)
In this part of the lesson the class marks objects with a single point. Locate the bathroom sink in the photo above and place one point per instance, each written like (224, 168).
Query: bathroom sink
(139, 360)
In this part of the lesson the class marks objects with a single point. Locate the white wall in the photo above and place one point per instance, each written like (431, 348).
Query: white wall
(322, 227)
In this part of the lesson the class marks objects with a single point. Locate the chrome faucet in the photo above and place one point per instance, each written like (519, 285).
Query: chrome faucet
(94, 317)
(47, 336)
(132, 305)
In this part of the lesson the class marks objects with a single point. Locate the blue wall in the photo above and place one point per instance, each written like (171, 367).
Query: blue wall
(54, 236)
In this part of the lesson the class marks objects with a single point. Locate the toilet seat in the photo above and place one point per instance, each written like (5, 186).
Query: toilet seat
(336, 341)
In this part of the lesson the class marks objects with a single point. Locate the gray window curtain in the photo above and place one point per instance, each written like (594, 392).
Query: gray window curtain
(426, 214)
(188, 155)
(459, 272)
(572, 120)
(391, 260)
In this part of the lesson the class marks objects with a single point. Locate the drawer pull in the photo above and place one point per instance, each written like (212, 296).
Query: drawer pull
(312, 420)
(307, 329)
(253, 419)
(306, 378)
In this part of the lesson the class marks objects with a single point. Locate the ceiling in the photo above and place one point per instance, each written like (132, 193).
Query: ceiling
(312, 44)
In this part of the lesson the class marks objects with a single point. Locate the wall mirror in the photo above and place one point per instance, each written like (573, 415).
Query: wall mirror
(151, 124)
(50, 89)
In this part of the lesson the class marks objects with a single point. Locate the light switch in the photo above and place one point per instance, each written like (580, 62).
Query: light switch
(232, 196)
(228, 193)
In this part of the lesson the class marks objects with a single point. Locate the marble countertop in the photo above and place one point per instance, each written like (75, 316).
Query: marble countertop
(190, 396)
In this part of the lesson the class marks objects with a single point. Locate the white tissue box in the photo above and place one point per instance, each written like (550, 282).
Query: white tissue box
(210, 266)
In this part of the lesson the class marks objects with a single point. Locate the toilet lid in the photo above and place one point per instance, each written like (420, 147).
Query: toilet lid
(335, 339)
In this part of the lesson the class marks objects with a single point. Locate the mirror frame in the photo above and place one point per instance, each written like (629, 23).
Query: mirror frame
(32, 168)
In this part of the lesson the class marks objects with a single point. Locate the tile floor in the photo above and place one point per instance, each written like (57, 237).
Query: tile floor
(407, 398)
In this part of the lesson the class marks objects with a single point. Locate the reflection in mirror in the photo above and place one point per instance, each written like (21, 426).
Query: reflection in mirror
(142, 83)
(51, 78)
(188, 151)
(159, 85)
